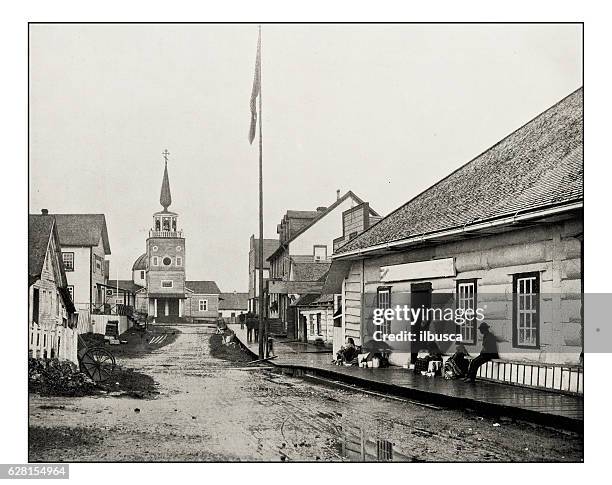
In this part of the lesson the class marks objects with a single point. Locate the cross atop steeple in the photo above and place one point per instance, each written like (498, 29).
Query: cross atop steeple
(165, 153)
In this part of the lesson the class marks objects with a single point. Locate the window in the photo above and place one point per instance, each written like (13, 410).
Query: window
(466, 299)
(154, 248)
(526, 314)
(318, 324)
(179, 261)
(167, 284)
(320, 253)
(97, 264)
(71, 291)
(312, 321)
(383, 300)
(57, 305)
(68, 259)
(167, 261)
(35, 305)
(179, 249)
(142, 275)
(155, 261)
(203, 305)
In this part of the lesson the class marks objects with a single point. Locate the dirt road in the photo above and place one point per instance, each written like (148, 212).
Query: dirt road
(212, 409)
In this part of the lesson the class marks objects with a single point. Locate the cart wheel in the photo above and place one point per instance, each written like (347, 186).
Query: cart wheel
(98, 364)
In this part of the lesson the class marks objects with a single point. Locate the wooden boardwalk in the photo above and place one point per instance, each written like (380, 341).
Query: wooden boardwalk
(486, 397)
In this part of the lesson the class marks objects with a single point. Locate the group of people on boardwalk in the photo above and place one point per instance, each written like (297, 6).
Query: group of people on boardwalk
(459, 365)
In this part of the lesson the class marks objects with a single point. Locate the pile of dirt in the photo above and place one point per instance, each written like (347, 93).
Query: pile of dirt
(55, 377)
(63, 438)
(125, 382)
(226, 348)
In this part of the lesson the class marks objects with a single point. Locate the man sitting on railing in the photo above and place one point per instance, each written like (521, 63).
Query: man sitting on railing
(488, 352)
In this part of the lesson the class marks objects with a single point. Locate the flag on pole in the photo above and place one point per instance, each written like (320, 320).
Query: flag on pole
(255, 92)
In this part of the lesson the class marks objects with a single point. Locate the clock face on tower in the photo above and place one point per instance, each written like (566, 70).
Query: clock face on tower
(167, 261)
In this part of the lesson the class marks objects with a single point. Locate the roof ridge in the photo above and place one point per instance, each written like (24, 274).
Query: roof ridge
(461, 167)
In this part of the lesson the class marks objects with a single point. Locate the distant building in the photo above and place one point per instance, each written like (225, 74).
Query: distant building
(164, 292)
(84, 245)
(231, 305)
(52, 324)
(269, 246)
(305, 237)
(315, 316)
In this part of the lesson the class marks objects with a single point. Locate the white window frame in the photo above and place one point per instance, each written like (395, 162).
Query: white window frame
(71, 254)
(71, 291)
(203, 305)
(179, 261)
(155, 260)
(384, 303)
(466, 299)
(527, 317)
(164, 285)
(320, 247)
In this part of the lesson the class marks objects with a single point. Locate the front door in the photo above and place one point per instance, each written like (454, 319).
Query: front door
(420, 297)
(173, 307)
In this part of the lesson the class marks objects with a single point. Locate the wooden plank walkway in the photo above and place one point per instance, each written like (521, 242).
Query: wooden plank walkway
(541, 406)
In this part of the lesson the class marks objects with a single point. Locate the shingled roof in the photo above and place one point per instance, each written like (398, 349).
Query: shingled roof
(309, 271)
(203, 287)
(82, 230)
(233, 301)
(39, 233)
(41, 228)
(540, 165)
(269, 246)
(128, 285)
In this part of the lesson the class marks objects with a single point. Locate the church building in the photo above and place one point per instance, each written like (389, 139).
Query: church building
(165, 293)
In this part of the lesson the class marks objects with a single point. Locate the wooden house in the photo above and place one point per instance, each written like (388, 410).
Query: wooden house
(505, 232)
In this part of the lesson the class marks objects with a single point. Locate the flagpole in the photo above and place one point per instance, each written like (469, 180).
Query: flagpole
(262, 330)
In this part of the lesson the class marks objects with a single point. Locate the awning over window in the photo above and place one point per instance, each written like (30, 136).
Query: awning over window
(335, 276)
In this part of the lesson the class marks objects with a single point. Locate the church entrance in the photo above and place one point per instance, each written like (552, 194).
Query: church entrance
(169, 307)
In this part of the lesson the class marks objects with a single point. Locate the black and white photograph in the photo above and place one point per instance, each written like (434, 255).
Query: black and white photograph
(312, 242)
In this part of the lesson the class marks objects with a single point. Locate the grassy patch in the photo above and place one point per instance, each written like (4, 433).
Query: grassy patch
(231, 352)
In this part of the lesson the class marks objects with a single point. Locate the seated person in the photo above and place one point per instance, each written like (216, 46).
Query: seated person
(457, 364)
(488, 352)
(347, 352)
(425, 356)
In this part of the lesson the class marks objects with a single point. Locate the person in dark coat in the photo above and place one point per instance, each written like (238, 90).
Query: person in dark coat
(348, 351)
(488, 352)
(460, 359)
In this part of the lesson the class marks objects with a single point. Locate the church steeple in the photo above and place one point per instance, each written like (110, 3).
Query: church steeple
(165, 199)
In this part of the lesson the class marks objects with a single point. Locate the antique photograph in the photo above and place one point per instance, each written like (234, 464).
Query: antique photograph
(305, 242)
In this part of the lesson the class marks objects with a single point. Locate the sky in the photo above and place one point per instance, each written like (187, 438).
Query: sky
(382, 110)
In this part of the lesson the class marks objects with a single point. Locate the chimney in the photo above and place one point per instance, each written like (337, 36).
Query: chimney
(44, 211)
(338, 194)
